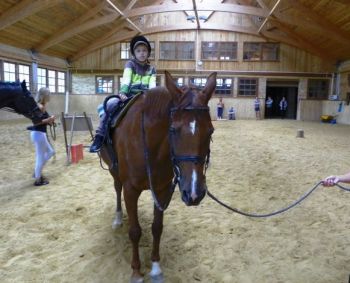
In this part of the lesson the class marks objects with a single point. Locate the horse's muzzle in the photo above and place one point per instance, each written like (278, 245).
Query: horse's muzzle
(191, 198)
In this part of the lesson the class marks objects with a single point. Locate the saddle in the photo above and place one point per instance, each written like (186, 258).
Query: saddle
(114, 120)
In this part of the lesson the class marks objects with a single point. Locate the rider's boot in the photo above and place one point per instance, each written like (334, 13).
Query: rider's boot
(97, 144)
(100, 134)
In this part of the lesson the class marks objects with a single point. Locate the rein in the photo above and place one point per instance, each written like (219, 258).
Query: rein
(275, 212)
(149, 172)
(53, 131)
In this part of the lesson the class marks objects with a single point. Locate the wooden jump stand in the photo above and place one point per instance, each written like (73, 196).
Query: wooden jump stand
(74, 123)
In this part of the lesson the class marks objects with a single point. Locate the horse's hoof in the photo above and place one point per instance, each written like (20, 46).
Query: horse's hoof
(136, 280)
(159, 278)
(118, 220)
(116, 224)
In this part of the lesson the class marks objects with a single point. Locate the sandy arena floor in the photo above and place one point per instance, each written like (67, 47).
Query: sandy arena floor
(62, 232)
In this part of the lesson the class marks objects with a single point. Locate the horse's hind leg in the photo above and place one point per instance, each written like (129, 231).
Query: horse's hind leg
(118, 219)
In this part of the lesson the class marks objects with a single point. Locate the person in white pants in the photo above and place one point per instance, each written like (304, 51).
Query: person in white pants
(38, 135)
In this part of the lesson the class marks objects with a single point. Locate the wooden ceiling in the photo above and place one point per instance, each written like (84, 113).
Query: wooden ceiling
(70, 29)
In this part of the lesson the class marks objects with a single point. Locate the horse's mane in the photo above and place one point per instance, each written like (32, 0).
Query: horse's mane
(15, 87)
(187, 99)
(157, 102)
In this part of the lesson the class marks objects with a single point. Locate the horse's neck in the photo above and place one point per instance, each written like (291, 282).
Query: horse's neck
(8, 95)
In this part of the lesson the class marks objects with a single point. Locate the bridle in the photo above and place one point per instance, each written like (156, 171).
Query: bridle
(176, 159)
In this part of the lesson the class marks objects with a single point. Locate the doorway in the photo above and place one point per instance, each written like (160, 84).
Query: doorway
(277, 90)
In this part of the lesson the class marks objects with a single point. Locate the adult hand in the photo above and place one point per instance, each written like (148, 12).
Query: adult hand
(330, 181)
(49, 120)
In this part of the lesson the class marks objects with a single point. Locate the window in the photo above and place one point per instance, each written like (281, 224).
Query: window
(270, 52)
(9, 72)
(52, 80)
(179, 81)
(198, 82)
(125, 53)
(42, 81)
(219, 50)
(318, 89)
(104, 84)
(61, 82)
(152, 50)
(24, 74)
(247, 86)
(176, 51)
(158, 80)
(260, 51)
(223, 86)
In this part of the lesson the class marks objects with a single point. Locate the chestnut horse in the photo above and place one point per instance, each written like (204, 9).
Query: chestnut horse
(16, 97)
(165, 134)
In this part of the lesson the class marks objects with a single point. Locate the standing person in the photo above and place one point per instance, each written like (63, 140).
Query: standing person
(38, 135)
(257, 108)
(283, 107)
(269, 103)
(138, 75)
(332, 180)
(220, 109)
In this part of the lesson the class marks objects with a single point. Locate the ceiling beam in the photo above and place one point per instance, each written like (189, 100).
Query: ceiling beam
(173, 7)
(120, 24)
(24, 9)
(196, 13)
(212, 13)
(77, 26)
(330, 29)
(269, 15)
(345, 2)
(117, 36)
(262, 5)
(124, 16)
(114, 36)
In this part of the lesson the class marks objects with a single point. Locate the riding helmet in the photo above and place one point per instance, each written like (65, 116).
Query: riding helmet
(137, 40)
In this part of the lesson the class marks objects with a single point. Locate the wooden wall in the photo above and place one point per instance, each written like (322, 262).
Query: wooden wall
(291, 58)
(293, 64)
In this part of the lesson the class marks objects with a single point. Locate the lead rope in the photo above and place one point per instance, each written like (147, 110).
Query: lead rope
(149, 173)
(276, 212)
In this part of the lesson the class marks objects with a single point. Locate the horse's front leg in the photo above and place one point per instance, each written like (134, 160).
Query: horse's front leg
(118, 219)
(131, 197)
(156, 273)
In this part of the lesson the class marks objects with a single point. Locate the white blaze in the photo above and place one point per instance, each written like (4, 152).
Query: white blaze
(193, 126)
(194, 183)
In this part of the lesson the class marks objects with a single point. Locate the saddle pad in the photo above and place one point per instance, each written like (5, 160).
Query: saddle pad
(120, 114)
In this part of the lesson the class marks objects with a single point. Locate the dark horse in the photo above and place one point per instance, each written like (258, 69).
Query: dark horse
(165, 133)
(16, 96)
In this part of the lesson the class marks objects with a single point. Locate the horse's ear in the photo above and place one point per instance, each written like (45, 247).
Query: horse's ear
(171, 86)
(210, 86)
